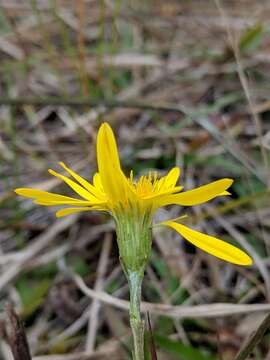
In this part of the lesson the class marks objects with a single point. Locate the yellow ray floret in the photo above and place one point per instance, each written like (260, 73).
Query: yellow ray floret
(69, 211)
(114, 182)
(95, 191)
(199, 195)
(49, 198)
(211, 245)
(77, 188)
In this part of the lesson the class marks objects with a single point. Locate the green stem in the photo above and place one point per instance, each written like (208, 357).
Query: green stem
(137, 324)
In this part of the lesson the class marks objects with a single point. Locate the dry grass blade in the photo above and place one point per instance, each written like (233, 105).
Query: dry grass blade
(246, 88)
(95, 306)
(250, 344)
(152, 342)
(34, 248)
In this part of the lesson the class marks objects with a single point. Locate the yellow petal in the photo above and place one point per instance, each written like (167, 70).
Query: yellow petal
(40, 201)
(199, 195)
(69, 211)
(114, 182)
(48, 197)
(225, 193)
(97, 182)
(77, 188)
(212, 245)
(172, 177)
(82, 181)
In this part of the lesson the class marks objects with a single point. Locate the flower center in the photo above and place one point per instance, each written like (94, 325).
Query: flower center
(149, 185)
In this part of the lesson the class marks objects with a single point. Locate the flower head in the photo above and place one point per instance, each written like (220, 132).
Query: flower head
(133, 203)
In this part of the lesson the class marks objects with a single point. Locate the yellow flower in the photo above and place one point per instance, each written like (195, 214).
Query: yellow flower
(133, 203)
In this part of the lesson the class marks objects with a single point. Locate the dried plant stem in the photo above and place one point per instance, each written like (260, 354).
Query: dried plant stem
(173, 311)
(86, 101)
(136, 322)
(17, 338)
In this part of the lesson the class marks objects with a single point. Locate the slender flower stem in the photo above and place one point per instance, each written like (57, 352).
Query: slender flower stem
(137, 324)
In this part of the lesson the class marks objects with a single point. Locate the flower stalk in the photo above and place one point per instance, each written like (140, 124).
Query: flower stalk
(134, 239)
(136, 322)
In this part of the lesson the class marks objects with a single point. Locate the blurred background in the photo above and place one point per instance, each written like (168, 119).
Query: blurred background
(182, 83)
